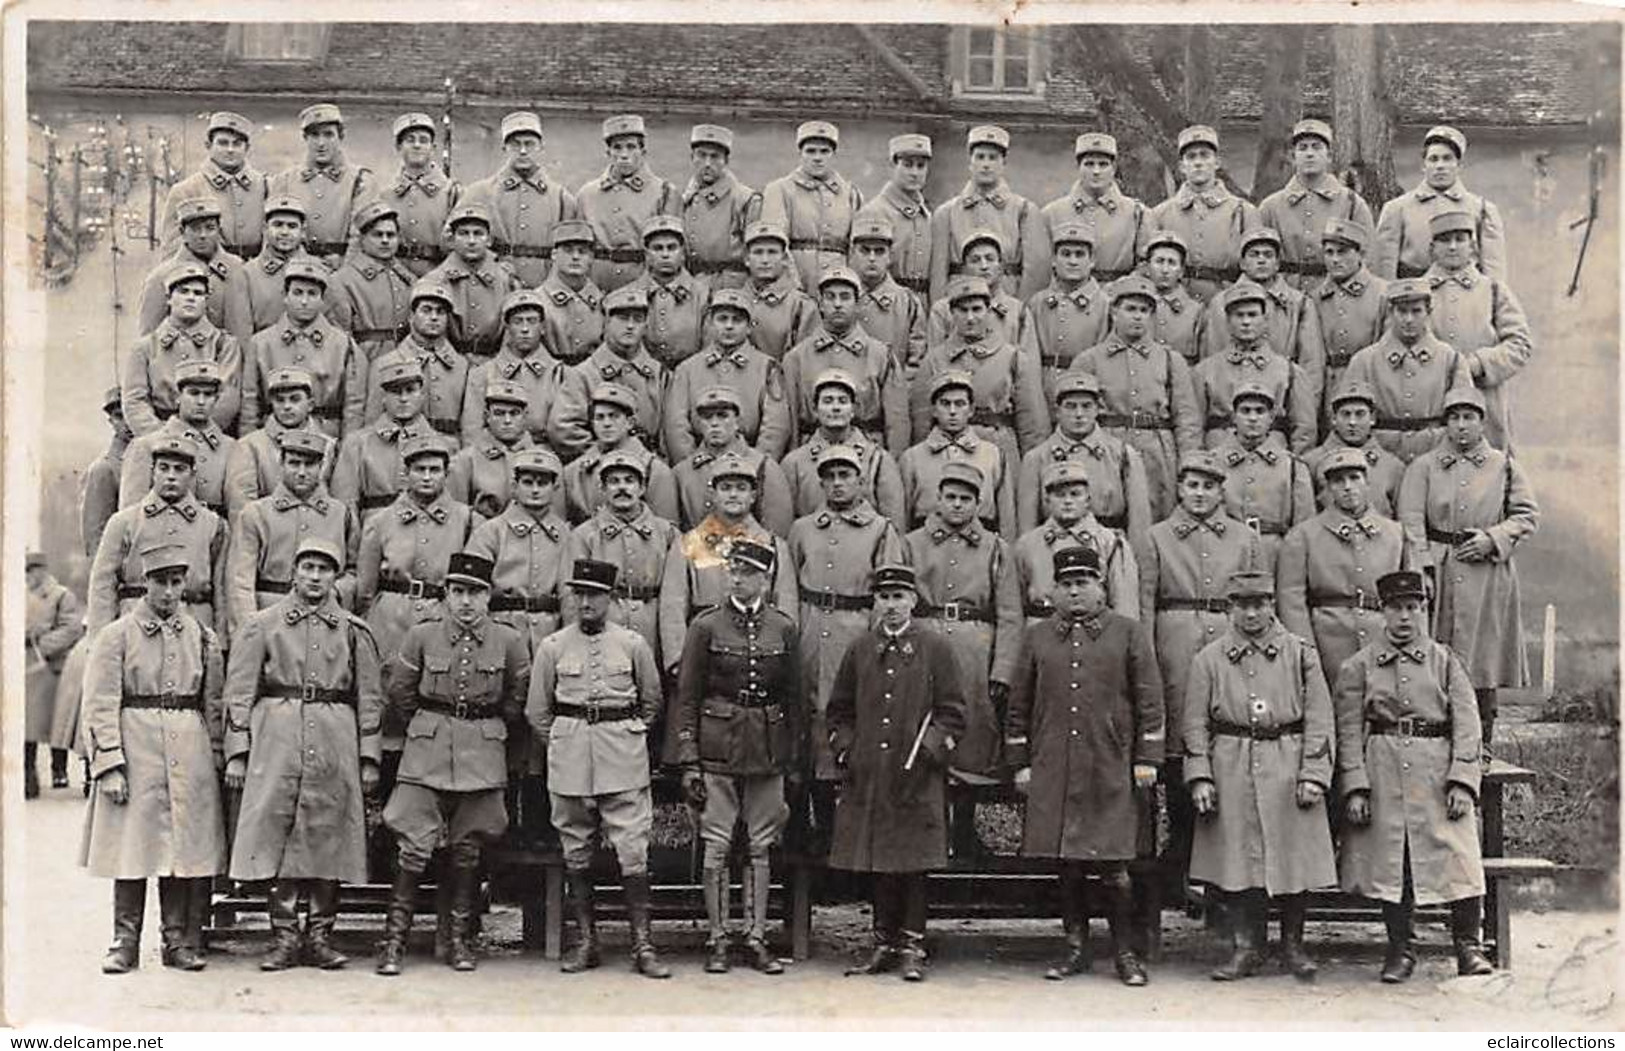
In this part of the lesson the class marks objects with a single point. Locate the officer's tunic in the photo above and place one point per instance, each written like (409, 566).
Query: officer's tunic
(1008, 406)
(369, 471)
(696, 580)
(894, 316)
(570, 425)
(1065, 324)
(921, 471)
(1476, 611)
(371, 299)
(889, 819)
(1121, 225)
(781, 315)
(303, 704)
(422, 200)
(1299, 213)
(264, 540)
(816, 214)
(147, 373)
(240, 196)
(1291, 328)
(1180, 322)
(1482, 319)
(714, 222)
(1086, 705)
(1015, 219)
(1409, 384)
(774, 506)
(1383, 473)
(1353, 315)
(1214, 381)
(1259, 837)
(1404, 240)
(210, 469)
(221, 267)
(173, 823)
(1408, 777)
(53, 621)
(523, 210)
(910, 218)
(477, 292)
(1034, 563)
(638, 548)
(481, 474)
(882, 408)
(1268, 486)
(676, 319)
(116, 583)
(1326, 581)
(583, 491)
(617, 208)
(1211, 223)
(879, 480)
(538, 372)
(445, 383)
(336, 365)
(329, 195)
(256, 294)
(764, 414)
(572, 325)
(1118, 494)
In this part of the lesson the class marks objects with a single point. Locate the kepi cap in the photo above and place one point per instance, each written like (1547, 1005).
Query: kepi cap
(753, 554)
(466, 567)
(1080, 561)
(896, 575)
(1401, 584)
(589, 574)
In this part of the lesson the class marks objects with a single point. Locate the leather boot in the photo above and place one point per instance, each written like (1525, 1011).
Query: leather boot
(129, 909)
(324, 913)
(758, 881)
(583, 956)
(1146, 936)
(465, 883)
(644, 958)
(442, 911)
(1400, 962)
(30, 770)
(883, 957)
(1466, 920)
(716, 915)
(1075, 924)
(1294, 959)
(911, 957)
(199, 908)
(1241, 916)
(403, 901)
(282, 903)
(174, 907)
(59, 768)
(1120, 918)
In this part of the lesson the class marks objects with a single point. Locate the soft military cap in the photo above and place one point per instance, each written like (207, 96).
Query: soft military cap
(285, 204)
(624, 124)
(961, 472)
(225, 120)
(422, 445)
(304, 270)
(173, 447)
(1456, 397)
(1095, 142)
(521, 298)
(197, 371)
(1251, 389)
(622, 460)
(306, 443)
(839, 275)
(766, 232)
(506, 392)
(910, 145)
(1072, 382)
(1198, 135)
(718, 398)
(33, 559)
(1354, 390)
(1261, 235)
(835, 454)
(1408, 288)
(1448, 135)
(992, 237)
(321, 113)
(1064, 472)
(520, 121)
(872, 228)
(407, 121)
(730, 299)
(156, 559)
(1245, 291)
(835, 378)
(573, 231)
(395, 367)
(190, 211)
(112, 398)
(818, 129)
(1344, 459)
(1251, 583)
(538, 459)
(1073, 233)
(1312, 128)
(1133, 285)
(987, 135)
(1347, 233)
(468, 213)
(186, 271)
(1451, 222)
(1167, 239)
(625, 298)
(1202, 461)
(614, 394)
(664, 224)
(321, 548)
(732, 465)
(711, 135)
(967, 286)
(950, 379)
(427, 289)
(372, 212)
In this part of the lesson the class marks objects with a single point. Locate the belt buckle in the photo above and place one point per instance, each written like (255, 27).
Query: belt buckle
(1252, 522)
(825, 600)
(461, 709)
(414, 589)
(950, 611)
(1406, 725)
(167, 699)
(307, 692)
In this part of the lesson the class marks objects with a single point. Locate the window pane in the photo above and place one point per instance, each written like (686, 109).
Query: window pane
(980, 43)
(281, 41)
(1015, 73)
(979, 73)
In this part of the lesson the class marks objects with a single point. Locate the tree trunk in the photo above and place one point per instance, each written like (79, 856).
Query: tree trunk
(1280, 93)
(1144, 120)
(1363, 113)
(1201, 101)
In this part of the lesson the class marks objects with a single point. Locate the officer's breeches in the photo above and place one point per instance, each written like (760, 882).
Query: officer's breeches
(625, 817)
(423, 818)
(758, 800)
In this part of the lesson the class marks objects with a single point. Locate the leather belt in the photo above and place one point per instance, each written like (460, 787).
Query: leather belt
(955, 611)
(589, 713)
(1213, 273)
(460, 709)
(364, 335)
(1307, 268)
(1136, 421)
(618, 255)
(446, 425)
(169, 701)
(277, 587)
(1193, 605)
(1391, 423)
(412, 588)
(989, 418)
(431, 253)
(1264, 528)
(1359, 600)
(726, 266)
(1440, 536)
(1337, 359)
(1257, 733)
(835, 600)
(522, 251)
(321, 248)
(521, 603)
(1053, 361)
(1407, 726)
(373, 503)
(818, 244)
(191, 596)
(310, 694)
(644, 593)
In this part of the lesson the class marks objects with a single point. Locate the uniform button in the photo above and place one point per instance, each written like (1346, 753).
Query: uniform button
(885, 721)
(1074, 711)
(884, 746)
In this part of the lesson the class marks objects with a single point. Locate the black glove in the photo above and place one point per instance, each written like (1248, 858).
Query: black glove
(694, 789)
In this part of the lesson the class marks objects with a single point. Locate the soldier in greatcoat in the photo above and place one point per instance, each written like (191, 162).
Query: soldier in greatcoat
(369, 470)
(1009, 319)
(523, 359)
(477, 280)
(370, 295)
(1265, 487)
(1311, 198)
(421, 193)
(1353, 416)
(613, 414)
(728, 360)
(236, 187)
(618, 202)
(480, 472)
(1085, 735)
(1248, 357)
(886, 310)
(254, 296)
(303, 704)
(1206, 214)
(523, 204)
(1291, 322)
(677, 299)
(1402, 237)
(835, 401)
(147, 372)
(197, 392)
(442, 369)
(902, 204)
(1072, 314)
(53, 621)
(715, 411)
(896, 713)
(1118, 225)
(200, 247)
(573, 323)
(152, 725)
(303, 338)
(621, 361)
(951, 440)
(717, 209)
(1408, 751)
(782, 313)
(1072, 523)
(988, 203)
(815, 204)
(327, 183)
(1178, 319)
(1351, 302)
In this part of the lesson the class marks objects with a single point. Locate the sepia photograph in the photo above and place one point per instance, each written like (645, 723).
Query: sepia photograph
(692, 516)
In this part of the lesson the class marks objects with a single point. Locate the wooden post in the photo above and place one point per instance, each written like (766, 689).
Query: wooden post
(1548, 654)
(50, 196)
(152, 194)
(78, 204)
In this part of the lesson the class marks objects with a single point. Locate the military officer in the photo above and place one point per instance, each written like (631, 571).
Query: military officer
(303, 338)
(1403, 239)
(1466, 506)
(523, 205)
(717, 209)
(53, 621)
(226, 178)
(1258, 763)
(254, 464)
(266, 537)
(618, 202)
(1265, 487)
(442, 370)
(303, 703)
(102, 477)
(1408, 749)
(200, 246)
(574, 324)
(1349, 301)
(478, 281)
(152, 693)
(369, 470)
(728, 360)
(1146, 391)
(902, 203)
(328, 184)
(1409, 370)
(885, 310)
(1291, 322)
(951, 440)
(459, 680)
(980, 257)
(1117, 225)
(1354, 409)
(1481, 318)
(1179, 320)
(782, 315)
(255, 294)
(814, 204)
(481, 470)
(716, 411)
(1249, 358)
(594, 693)
(370, 296)
(896, 713)
(677, 299)
(1071, 315)
(739, 722)
(421, 195)
(613, 431)
(988, 203)
(835, 400)
(1086, 769)
(523, 360)
(1312, 197)
(1205, 214)
(835, 551)
(197, 387)
(1072, 523)
(1326, 572)
(622, 361)
(882, 398)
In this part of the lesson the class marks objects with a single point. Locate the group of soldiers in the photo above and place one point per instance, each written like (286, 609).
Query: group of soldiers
(483, 501)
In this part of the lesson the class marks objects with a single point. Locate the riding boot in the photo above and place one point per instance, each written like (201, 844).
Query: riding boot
(1294, 959)
(59, 768)
(282, 905)
(883, 957)
(715, 887)
(584, 955)
(442, 910)
(200, 907)
(129, 909)
(1240, 911)
(465, 883)
(1400, 962)
(1120, 920)
(644, 958)
(30, 770)
(403, 902)
(758, 883)
(324, 914)
(1075, 925)
(174, 906)
(1466, 920)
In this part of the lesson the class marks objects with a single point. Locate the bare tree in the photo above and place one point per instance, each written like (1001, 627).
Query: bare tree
(1363, 112)
(1280, 93)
